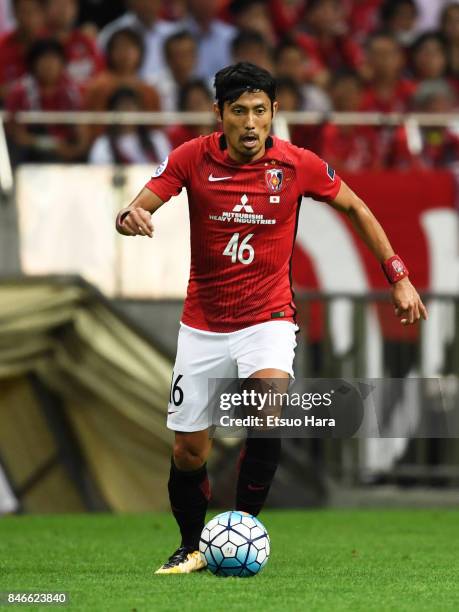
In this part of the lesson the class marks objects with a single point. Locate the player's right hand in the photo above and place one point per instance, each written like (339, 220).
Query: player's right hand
(136, 221)
(407, 303)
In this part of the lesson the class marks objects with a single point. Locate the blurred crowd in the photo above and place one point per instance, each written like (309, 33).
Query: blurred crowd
(161, 55)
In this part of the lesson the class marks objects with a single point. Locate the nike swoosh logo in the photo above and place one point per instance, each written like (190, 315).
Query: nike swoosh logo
(214, 179)
(173, 412)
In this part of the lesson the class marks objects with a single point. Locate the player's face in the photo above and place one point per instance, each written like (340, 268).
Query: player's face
(247, 124)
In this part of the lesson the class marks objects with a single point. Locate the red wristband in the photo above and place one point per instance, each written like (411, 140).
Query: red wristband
(394, 269)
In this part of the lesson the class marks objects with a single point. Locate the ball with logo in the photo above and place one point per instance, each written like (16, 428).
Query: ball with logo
(235, 544)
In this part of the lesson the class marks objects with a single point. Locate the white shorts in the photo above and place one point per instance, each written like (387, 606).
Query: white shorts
(205, 355)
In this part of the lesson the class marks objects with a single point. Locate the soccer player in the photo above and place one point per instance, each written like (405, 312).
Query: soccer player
(244, 191)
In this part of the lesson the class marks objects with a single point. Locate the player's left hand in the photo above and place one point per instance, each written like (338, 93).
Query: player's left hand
(408, 305)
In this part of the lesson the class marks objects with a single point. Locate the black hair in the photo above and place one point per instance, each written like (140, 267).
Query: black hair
(239, 6)
(427, 36)
(312, 4)
(381, 34)
(248, 37)
(286, 43)
(389, 8)
(133, 36)
(231, 82)
(120, 94)
(123, 93)
(189, 86)
(344, 75)
(170, 40)
(41, 47)
(292, 86)
(16, 2)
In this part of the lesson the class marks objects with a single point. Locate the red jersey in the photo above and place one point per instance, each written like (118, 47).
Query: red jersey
(440, 148)
(351, 148)
(83, 58)
(339, 53)
(26, 95)
(178, 134)
(363, 17)
(13, 57)
(243, 220)
(398, 102)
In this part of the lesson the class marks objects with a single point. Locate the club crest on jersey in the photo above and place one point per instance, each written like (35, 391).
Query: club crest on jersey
(330, 172)
(160, 169)
(274, 179)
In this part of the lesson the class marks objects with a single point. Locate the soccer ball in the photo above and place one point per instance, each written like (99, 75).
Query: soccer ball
(235, 544)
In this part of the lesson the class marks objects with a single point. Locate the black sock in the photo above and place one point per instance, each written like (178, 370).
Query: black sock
(257, 465)
(189, 493)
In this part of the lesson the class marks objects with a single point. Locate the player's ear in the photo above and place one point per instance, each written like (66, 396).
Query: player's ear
(275, 108)
(217, 112)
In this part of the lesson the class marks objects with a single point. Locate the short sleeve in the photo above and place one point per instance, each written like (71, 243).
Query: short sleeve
(173, 173)
(317, 178)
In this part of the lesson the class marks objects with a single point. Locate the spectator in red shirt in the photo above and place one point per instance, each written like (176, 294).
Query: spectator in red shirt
(327, 43)
(195, 96)
(349, 148)
(30, 20)
(450, 29)
(399, 18)
(286, 15)
(82, 55)
(387, 90)
(428, 147)
(46, 88)
(363, 17)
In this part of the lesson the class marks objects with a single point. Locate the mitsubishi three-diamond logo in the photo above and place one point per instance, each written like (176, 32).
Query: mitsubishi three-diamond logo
(242, 213)
(243, 206)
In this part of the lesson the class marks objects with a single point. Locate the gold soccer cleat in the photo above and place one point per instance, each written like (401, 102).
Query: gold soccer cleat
(184, 561)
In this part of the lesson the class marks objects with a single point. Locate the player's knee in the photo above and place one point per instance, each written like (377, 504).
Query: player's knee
(188, 456)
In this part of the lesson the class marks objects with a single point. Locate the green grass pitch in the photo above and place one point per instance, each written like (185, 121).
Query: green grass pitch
(320, 560)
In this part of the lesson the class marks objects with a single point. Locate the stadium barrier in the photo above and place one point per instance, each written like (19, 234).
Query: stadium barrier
(412, 122)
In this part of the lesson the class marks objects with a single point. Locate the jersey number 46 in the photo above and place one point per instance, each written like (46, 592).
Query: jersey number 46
(240, 251)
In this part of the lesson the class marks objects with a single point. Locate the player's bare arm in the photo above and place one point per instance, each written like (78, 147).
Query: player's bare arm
(408, 305)
(135, 219)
